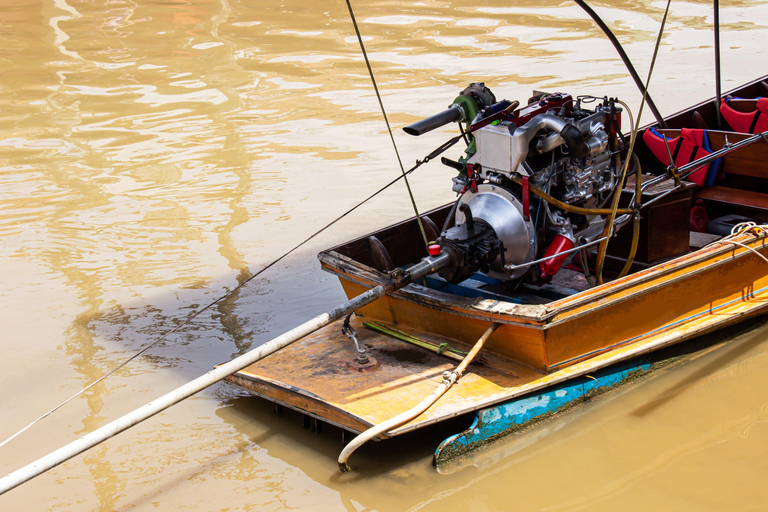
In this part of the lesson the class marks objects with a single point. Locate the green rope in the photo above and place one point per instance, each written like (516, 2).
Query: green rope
(414, 340)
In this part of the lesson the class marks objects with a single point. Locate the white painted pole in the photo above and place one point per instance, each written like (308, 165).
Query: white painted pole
(99, 435)
(53, 459)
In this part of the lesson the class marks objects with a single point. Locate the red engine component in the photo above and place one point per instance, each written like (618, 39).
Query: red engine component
(550, 267)
(543, 105)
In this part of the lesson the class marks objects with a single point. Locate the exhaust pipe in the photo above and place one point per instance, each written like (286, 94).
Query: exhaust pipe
(451, 114)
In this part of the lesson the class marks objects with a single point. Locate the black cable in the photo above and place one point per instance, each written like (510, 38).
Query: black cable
(194, 315)
(625, 59)
(386, 120)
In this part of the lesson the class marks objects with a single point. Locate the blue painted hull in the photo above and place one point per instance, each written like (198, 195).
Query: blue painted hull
(504, 419)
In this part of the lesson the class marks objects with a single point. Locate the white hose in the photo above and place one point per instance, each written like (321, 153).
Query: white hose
(449, 378)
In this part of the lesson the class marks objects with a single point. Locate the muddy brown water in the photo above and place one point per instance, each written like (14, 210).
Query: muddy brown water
(154, 154)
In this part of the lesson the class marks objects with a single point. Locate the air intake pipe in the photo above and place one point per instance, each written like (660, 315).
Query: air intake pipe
(451, 114)
(474, 98)
(566, 132)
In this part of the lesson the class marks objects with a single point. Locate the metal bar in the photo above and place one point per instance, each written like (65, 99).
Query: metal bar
(53, 459)
(717, 63)
(569, 251)
(688, 169)
(619, 222)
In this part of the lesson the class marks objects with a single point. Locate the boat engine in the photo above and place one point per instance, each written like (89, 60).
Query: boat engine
(555, 145)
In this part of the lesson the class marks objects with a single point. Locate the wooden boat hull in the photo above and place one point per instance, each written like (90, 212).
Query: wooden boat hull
(547, 337)
(681, 292)
(616, 322)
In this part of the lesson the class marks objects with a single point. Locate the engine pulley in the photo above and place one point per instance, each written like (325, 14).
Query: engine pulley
(504, 213)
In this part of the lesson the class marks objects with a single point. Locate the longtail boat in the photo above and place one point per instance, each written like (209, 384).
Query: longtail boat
(523, 244)
(575, 255)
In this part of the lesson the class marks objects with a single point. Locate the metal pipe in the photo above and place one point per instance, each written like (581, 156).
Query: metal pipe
(689, 168)
(425, 267)
(521, 138)
(619, 222)
(718, 91)
(451, 114)
(449, 378)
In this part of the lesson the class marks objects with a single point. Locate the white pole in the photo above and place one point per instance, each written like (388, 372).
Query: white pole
(425, 267)
(82, 444)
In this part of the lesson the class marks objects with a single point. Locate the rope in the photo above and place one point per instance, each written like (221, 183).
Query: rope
(191, 317)
(740, 229)
(386, 120)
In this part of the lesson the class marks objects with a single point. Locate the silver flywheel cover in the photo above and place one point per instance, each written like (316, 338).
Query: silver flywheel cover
(504, 213)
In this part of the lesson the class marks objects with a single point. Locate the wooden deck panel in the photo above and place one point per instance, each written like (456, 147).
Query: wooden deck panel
(522, 343)
(299, 374)
(313, 376)
(735, 196)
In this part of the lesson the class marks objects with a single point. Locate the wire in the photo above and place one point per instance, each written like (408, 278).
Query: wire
(609, 226)
(191, 317)
(386, 120)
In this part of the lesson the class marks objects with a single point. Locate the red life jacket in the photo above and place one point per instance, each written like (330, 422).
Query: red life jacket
(746, 122)
(688, 146)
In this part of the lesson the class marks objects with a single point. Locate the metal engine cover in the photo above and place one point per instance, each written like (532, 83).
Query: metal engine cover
(504, 213)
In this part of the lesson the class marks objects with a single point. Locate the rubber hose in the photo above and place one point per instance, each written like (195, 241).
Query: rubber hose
(568, 207)
(636, 220)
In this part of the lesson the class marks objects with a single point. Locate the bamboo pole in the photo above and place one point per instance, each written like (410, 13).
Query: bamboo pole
(53, 459)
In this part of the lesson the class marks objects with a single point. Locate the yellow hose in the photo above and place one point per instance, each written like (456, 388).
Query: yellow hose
(603, 247)
(449, 378)
(567, 207)
(636, 220)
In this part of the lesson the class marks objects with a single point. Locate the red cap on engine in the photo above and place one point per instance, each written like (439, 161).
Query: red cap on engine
(434, 250)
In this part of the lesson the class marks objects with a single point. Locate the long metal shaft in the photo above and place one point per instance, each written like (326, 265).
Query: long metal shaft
(53, 459)
(718, 91)
(689, 168)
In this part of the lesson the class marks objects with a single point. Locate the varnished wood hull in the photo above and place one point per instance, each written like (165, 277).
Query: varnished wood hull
(537, 346)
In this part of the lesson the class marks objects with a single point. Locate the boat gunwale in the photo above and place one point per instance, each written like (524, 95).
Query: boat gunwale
(666, 338)
(542, 313)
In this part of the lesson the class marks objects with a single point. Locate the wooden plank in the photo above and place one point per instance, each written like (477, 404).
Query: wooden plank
(739, 197)
(674, 300)
(314, 376)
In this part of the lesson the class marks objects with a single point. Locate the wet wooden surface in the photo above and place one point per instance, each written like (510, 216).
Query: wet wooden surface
(317, 375)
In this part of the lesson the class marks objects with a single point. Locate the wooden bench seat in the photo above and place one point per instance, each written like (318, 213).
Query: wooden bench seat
(746, 198)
